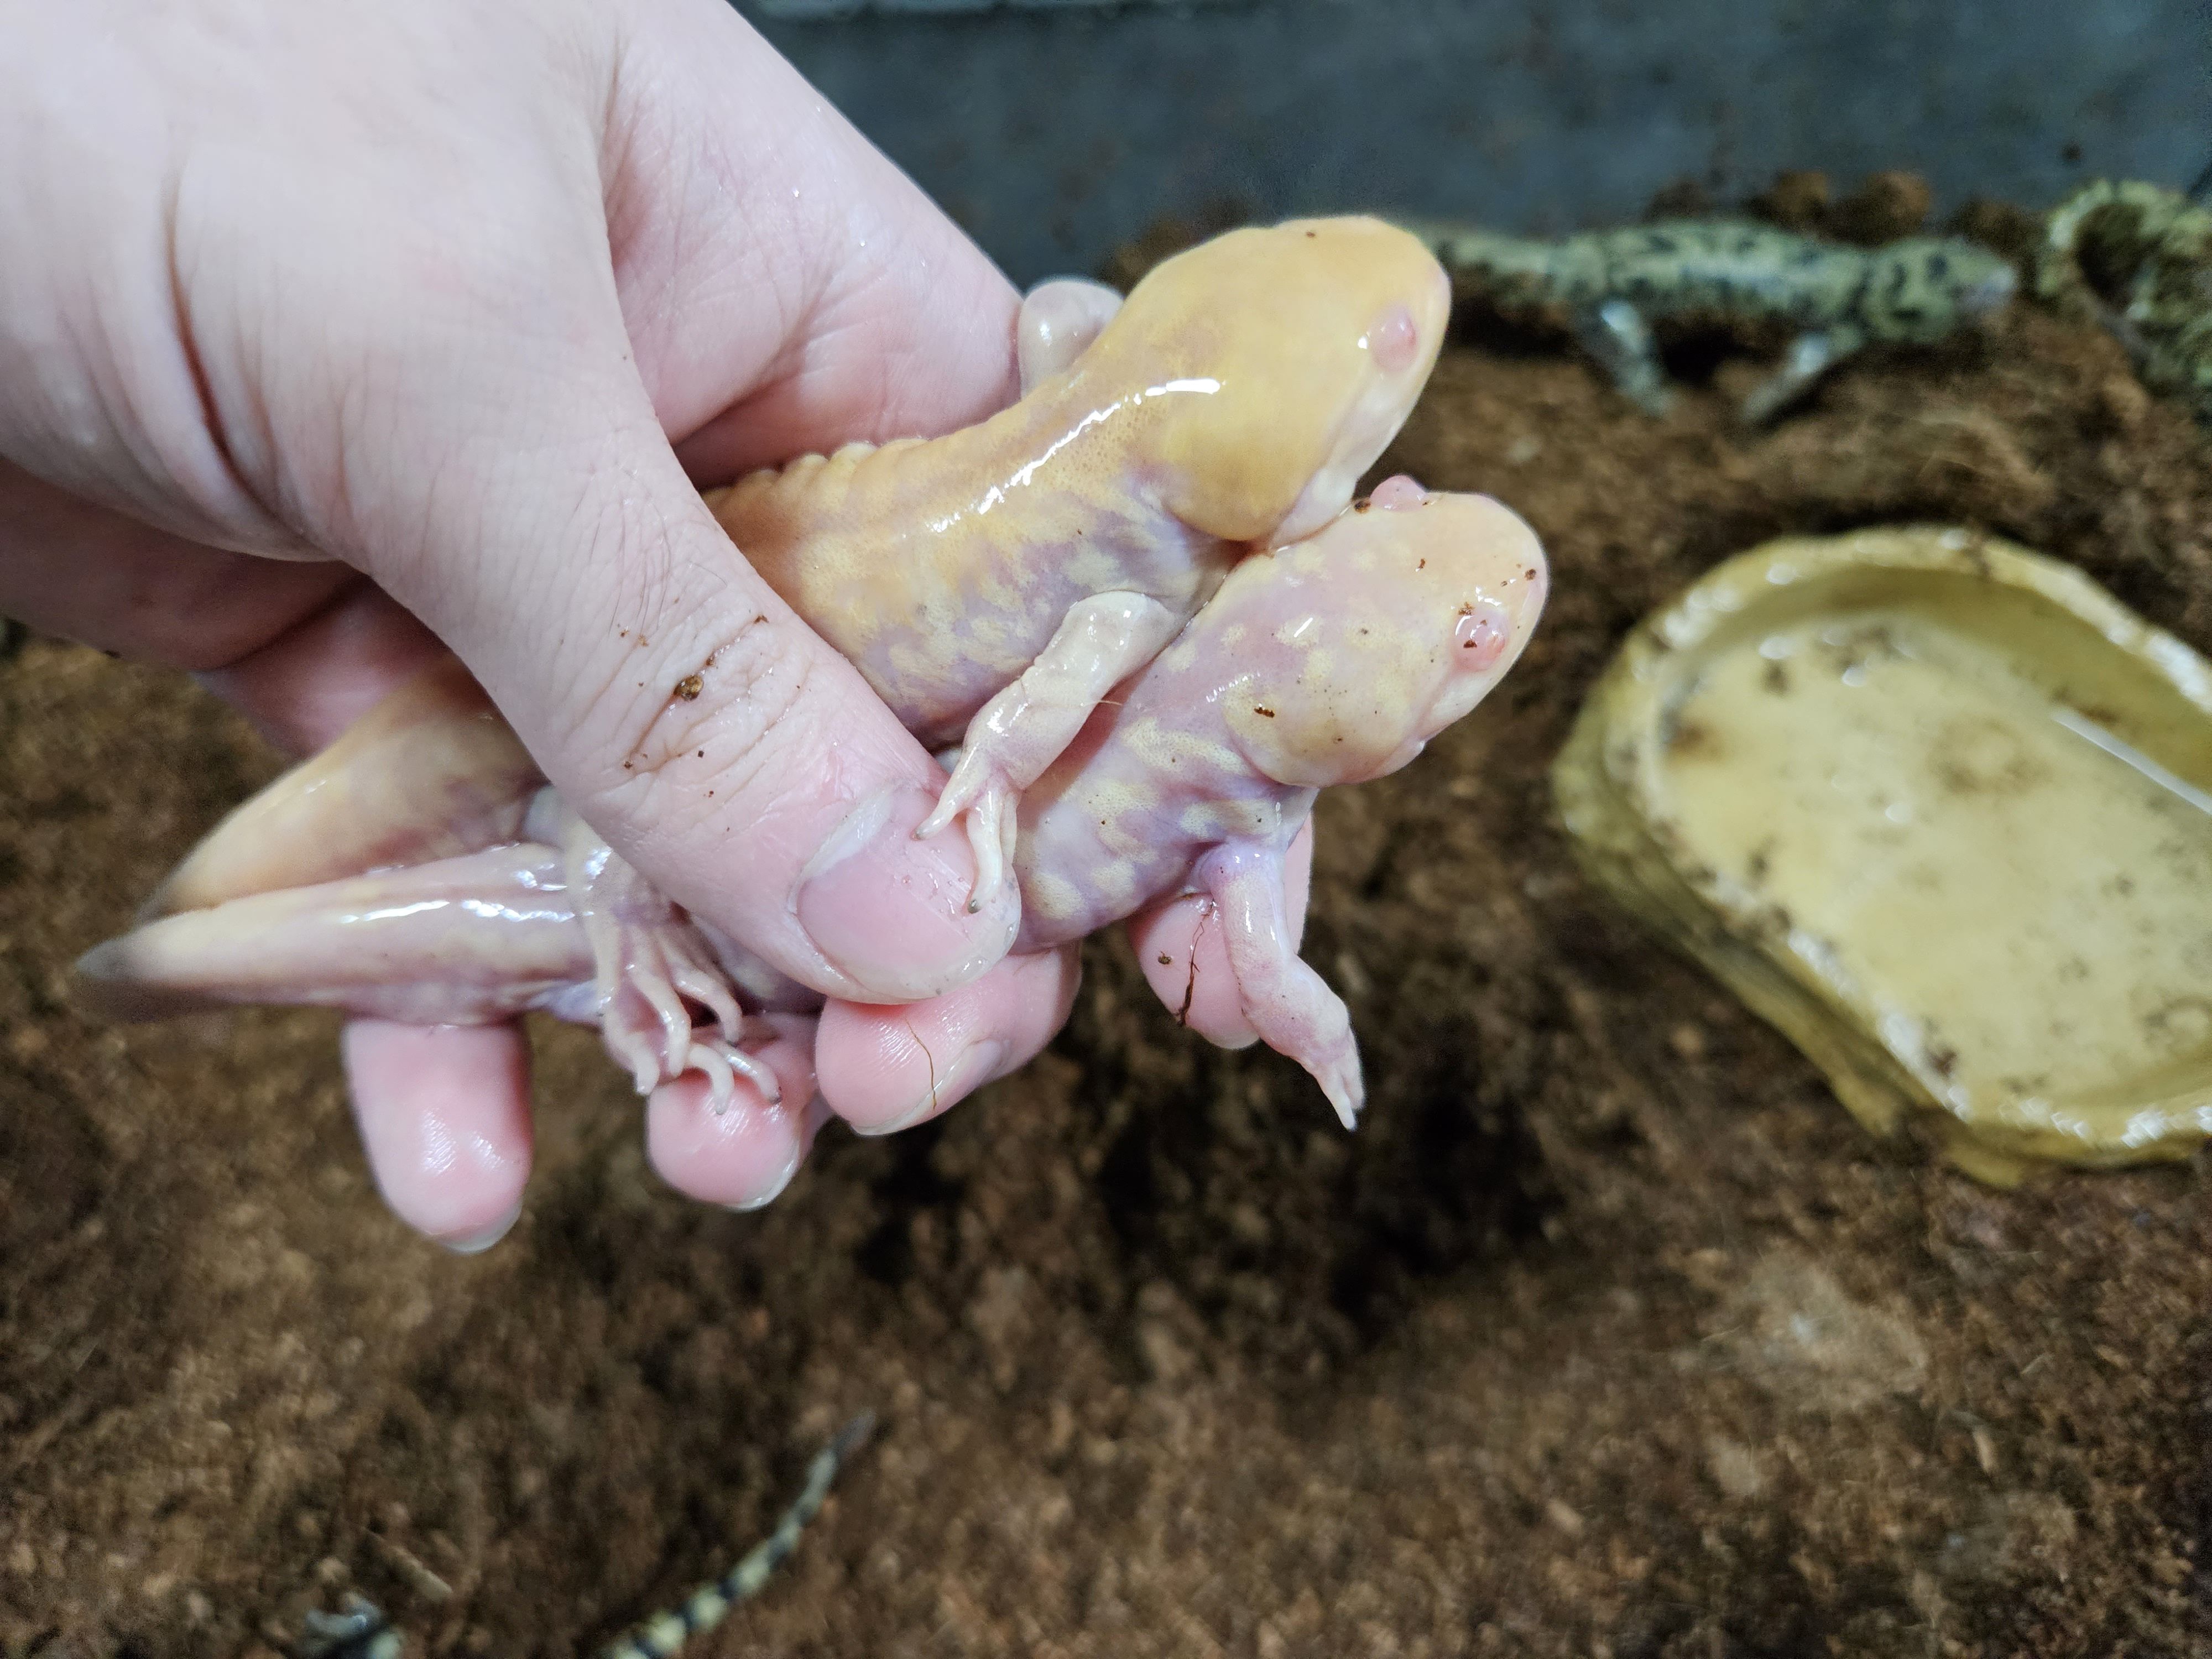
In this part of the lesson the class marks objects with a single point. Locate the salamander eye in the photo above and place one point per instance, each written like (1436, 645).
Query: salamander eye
(1395, 339)
(1480, 637)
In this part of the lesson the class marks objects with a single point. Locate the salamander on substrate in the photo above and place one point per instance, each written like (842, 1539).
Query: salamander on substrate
(662, 1635)
(361, 1631)
(1613, 284)
(2138, 259)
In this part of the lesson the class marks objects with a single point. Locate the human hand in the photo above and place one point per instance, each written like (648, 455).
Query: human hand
(317, 323)
(310, 320)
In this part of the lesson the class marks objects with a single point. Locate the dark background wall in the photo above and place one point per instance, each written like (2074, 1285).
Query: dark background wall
(1056, 129)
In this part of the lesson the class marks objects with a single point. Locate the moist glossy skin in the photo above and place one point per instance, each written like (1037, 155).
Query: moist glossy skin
(1329, 661)
(993, 584)
(1332, 661)
(429, 772)
(1235, 400)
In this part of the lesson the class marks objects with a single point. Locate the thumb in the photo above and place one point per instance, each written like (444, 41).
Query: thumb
(716, 743)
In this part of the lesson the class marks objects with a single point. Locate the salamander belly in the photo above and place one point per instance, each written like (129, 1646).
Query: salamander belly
(1106, 834)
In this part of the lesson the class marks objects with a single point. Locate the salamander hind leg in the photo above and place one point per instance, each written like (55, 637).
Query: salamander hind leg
(1810, 356)
(1286, 1002)
(1616, 334)
(651, 968)
(1016, 736)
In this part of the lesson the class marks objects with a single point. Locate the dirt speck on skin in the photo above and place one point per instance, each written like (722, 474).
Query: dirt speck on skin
(1595, 1338)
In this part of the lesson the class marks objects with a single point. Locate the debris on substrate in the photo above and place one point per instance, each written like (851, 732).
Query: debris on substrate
(1608, 1332)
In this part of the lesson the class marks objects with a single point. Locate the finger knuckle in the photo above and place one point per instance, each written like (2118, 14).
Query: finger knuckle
(702, 733)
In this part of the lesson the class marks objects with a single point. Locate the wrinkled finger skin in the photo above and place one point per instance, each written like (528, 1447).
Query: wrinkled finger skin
(434, 304)
(435, 337)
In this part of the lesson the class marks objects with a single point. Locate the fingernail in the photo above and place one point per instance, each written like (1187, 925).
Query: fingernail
(890, 913)
(477, 1243)
(973, 1066)
(777, 1182)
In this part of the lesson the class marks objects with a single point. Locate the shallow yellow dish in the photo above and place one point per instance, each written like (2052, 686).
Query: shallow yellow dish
(1940, 810)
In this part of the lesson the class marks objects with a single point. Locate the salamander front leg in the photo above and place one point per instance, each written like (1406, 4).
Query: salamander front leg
(1616, 334)
(1100, 641)
(1287, 1003)
(1810, 356)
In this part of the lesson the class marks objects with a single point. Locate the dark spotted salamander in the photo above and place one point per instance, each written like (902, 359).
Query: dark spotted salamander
(1613, 284)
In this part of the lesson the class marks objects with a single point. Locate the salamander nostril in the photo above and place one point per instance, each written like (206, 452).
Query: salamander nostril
(1395, 340)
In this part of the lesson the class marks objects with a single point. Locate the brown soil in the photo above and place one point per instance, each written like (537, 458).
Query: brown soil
(1608, 1332)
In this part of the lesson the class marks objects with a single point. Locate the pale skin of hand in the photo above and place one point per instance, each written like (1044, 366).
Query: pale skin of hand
(316, 320)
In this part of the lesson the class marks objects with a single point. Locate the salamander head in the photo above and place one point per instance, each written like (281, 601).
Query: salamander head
(1277, 364)
(1922, 288)
(1366, 640)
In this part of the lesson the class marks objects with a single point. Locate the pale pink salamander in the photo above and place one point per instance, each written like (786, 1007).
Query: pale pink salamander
(1232, 405)
(1334, 660)
(1328, 661)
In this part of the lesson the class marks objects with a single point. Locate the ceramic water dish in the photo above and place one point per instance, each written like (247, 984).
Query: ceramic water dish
(1940, 809)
